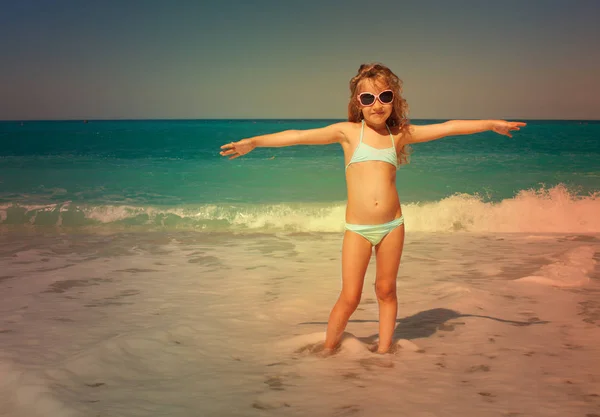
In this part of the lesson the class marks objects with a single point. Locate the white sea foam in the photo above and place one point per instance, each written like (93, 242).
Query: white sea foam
(110, 214)
(26, 393)
(572, 269)
(554, 210)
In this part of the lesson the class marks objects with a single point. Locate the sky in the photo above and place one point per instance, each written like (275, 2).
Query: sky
(134, 59)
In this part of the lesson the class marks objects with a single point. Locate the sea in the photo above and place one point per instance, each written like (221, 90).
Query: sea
(143, 274)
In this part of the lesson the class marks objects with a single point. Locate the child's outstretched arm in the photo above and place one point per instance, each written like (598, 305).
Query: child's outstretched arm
(321, 136)
(427, 133)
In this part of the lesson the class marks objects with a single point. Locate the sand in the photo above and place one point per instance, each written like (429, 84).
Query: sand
(181, 324)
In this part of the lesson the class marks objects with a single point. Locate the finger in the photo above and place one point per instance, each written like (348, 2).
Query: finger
(229, 152)
(237, 155)
(227, 146)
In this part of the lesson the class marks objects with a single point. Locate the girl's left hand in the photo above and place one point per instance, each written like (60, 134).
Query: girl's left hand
(504, 128)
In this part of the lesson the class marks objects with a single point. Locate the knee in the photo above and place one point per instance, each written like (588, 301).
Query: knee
(350, 301)
(386, 290)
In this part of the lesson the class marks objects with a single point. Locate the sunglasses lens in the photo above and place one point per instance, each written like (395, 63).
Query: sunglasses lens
(386, 97)
(366, 99)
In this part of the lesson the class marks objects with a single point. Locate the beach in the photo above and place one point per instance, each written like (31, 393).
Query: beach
(140, 274)
(184, 324)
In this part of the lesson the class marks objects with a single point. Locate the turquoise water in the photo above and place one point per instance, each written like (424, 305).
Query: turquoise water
(169, 173)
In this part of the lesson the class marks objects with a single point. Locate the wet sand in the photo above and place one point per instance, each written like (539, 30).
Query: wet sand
(187, 323)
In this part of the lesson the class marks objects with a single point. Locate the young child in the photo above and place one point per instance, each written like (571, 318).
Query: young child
(375, 140)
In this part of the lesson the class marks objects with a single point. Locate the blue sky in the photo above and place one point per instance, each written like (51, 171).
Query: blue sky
(275, 59)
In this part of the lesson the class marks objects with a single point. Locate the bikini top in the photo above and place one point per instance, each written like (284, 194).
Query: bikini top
(364, 152)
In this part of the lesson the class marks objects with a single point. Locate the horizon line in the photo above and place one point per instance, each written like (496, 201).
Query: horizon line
(276, 119)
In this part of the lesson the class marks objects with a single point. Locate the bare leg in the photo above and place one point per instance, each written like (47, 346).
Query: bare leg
(356, 252)
(388, 253)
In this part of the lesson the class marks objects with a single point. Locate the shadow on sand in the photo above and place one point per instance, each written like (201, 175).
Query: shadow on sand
(426, 323)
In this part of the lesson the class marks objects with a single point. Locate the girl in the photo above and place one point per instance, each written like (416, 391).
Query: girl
(375, 140)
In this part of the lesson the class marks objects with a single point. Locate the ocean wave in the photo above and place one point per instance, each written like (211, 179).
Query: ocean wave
(553, 210)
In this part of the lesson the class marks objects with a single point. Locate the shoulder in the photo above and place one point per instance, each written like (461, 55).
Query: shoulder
(344, 130)
(402, 135)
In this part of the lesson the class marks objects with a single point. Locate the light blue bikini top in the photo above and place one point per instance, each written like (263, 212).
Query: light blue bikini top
(364, 152)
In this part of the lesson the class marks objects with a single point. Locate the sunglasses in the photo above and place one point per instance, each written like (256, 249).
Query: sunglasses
(368, 99)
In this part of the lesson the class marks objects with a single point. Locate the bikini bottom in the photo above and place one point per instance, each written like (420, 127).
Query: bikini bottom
(375, 233)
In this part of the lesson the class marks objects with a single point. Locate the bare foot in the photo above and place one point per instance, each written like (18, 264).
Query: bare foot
(319, 349)
(325, 353)
(381, 350)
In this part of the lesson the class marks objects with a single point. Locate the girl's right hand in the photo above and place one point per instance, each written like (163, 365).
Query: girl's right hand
(237, 149)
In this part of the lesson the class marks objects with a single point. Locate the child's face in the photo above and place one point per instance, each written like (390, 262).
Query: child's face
(378, 112)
